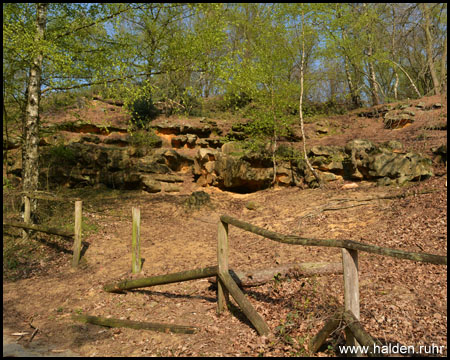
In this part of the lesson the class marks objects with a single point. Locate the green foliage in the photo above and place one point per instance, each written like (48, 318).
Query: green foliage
(190, 104)
(65, 99)
(17, 255)
(143, 111)
(286, 327)
(197, 200)
(243, 58)
(235, 101)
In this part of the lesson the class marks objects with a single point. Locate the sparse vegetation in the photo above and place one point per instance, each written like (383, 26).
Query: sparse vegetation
(61, 154)
(146, 139)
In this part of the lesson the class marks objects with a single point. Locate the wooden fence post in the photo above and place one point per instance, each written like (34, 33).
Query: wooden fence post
(77, 232)
(351, 290)
(222, 259)
(26, 215)
(135, 243)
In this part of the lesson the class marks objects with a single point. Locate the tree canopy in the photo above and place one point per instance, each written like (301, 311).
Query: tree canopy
(182, 55)
(204, 50)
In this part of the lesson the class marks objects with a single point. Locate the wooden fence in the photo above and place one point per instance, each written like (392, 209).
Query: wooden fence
(27, 225)
(227, 285)
(350, 315)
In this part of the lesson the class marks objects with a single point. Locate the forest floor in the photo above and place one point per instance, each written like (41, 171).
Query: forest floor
(402, 302)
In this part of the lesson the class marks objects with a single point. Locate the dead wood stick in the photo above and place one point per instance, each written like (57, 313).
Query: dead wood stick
(139, 325)
(395, 196)
(47, 196)
(33, 335)
(318, 211)
(342, 207)
(247, 278)
(108, 101)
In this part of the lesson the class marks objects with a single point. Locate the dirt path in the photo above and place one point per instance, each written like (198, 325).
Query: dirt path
(401, 301)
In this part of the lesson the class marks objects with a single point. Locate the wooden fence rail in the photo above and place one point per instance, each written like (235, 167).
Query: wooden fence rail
(355, 334)
(41, 228)
(162, 279)
(27, 225)
(347, 244)
(42, 195)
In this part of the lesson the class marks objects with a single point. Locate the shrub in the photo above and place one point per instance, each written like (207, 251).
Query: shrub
(192, 105)
(143, 111)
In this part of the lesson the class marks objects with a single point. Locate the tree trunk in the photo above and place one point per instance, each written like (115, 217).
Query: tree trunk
(372, 78)
(444, 68)
(30, 149)
(429, 48)
(396, 86)
(353, 93)
(393, 47)
(274, 144)
(409, 78)
(356, 100)
(300, 110)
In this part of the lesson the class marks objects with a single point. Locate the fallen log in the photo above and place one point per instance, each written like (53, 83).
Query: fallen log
(245, 305)
(139, 325)
(41, 228)
(162, 279)
(247, 278)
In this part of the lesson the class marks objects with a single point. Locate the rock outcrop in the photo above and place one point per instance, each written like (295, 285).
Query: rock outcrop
(235, 170)
(365, 160)
(84, 154)
(232, 169)
(89, 164)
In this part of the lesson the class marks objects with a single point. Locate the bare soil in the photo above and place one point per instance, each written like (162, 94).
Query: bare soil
(401, 301)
